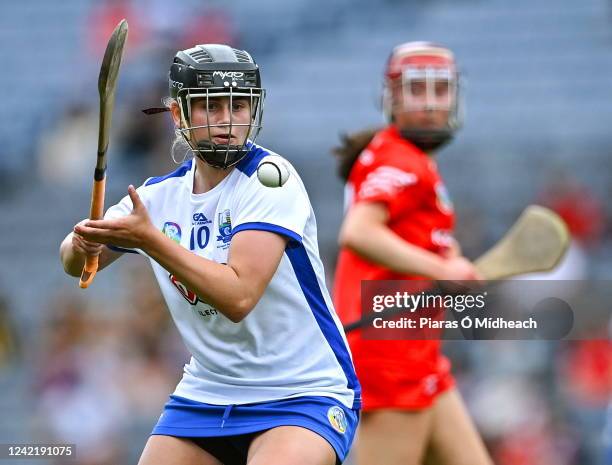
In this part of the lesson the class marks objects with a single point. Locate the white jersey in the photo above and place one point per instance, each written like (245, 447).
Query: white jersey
(292, 343)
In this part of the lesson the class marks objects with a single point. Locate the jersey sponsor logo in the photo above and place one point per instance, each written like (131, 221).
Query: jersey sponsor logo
(208, 312)
(192, 298)
(386, 180)
(442, 238)
(337, 419)
(443, 198)
(188, 294)
(225, 229)
(173, 231)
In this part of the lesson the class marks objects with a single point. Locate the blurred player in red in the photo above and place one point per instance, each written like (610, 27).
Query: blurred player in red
(398, 225)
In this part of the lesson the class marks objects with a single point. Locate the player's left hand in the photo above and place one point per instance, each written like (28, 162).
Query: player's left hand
(131, 231)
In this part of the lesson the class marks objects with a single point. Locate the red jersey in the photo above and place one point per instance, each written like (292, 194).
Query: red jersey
(394, 172)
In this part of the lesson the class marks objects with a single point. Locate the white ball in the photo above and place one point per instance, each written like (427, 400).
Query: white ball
(272, 171)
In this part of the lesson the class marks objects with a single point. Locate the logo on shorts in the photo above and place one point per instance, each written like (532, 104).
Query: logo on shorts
(337, 419)
(173, 231)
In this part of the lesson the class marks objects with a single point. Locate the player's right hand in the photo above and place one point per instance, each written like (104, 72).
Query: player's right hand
(459, 269)
(84, 247)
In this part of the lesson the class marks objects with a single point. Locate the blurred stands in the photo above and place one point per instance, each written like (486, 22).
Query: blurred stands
(40, 54)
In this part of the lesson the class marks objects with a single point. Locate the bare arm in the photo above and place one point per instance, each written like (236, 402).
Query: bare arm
(233, 289)
(74, 250)
(365, 232)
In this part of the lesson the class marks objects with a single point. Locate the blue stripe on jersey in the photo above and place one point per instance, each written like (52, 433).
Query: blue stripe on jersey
(120, 249)
(298, 256)
(261, 226)
(248, 165)
(180, 171)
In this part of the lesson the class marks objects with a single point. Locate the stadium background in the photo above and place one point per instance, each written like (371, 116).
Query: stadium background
(94, 367)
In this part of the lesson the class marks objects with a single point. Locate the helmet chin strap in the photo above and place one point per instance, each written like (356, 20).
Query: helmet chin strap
(428, 139)
(206, 151)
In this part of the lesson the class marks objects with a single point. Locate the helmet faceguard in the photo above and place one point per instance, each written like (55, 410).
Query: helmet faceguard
(422, 77)
(210, 72)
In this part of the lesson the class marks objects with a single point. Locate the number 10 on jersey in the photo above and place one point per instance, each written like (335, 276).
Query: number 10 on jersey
(200, 235)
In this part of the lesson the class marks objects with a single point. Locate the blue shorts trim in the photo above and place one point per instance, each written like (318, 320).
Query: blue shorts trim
(323, 415)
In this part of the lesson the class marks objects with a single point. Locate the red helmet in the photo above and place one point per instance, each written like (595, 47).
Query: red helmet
(422, 76)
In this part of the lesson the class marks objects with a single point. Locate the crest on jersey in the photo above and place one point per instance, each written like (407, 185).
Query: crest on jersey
(337, 419)
(225, 228)
(443, 198)
(173, 231)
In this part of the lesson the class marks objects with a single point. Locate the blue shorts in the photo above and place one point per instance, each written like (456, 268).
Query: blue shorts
(226, 431)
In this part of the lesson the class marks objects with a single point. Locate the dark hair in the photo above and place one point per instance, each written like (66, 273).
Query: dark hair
(351, 145)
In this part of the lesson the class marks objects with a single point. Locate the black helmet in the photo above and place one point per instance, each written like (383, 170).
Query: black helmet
(209, 71)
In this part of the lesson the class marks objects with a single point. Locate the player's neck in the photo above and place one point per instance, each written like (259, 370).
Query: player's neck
(206, 177)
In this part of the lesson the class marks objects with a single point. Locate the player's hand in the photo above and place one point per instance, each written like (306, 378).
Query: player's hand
(131, 231)
(452, 250)
(459, 269)
(84, 247)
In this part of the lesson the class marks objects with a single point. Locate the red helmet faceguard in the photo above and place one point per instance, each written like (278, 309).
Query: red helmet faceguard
(421, 76)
